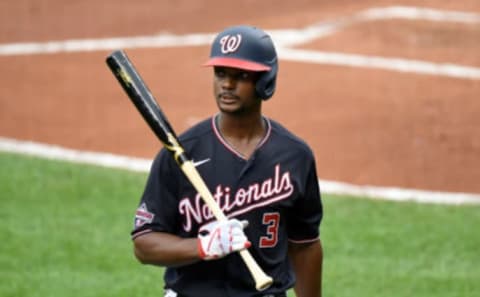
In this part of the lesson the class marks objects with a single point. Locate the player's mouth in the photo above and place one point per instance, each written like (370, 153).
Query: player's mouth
(228, 98)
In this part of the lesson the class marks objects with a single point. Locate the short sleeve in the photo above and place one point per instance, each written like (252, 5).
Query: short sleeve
(157, 210)
(305, 217)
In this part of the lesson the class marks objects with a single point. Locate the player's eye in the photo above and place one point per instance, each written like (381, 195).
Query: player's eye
(244, 76)
(220, 73)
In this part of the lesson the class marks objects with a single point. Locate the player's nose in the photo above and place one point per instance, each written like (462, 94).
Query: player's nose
(228, 82)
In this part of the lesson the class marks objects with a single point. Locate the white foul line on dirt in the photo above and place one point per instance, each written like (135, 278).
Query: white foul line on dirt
(55, 152)
(420, 13)
(90, 45)
(285, 40)
(399, 65)
(143, 165)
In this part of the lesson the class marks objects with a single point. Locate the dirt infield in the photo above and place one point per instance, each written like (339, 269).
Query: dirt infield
(366, 125)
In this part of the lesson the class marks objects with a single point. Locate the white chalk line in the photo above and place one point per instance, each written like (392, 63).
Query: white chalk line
(55, 152)
(89, 45)
(420, 13)
(285, 40)
(374, 62)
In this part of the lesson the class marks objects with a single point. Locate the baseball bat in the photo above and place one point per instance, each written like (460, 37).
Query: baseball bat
(142, 98)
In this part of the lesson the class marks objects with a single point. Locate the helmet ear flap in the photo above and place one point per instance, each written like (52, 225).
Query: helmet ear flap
(265, 86)
(248, 48)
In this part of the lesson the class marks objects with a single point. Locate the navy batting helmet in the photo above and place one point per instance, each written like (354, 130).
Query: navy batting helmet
(248, 48)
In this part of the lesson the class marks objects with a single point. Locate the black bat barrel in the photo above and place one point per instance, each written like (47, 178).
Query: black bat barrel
(142, 98)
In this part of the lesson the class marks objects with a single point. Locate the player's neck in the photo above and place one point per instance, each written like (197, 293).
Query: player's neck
(242, 133)
(241, 127)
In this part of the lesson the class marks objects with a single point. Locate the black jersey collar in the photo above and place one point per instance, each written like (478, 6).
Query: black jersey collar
(216, 129)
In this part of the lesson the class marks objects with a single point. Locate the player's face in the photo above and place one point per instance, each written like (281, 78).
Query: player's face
(235, 90)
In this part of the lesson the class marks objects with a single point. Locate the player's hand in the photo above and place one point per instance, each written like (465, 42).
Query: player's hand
(220, 238)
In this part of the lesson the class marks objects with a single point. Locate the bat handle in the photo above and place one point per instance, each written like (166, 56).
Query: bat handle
(139, 94)
(262, 281)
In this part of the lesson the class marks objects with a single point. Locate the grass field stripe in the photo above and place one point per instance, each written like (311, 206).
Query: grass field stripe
(143, 165)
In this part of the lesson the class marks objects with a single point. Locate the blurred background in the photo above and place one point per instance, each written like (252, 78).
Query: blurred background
(386, 95)
(385, 92)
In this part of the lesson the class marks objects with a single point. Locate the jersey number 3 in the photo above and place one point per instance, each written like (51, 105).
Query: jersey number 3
(271, 220)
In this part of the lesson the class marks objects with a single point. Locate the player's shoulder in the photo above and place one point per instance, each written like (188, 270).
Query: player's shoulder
(284, 137)
(198, 131)
(187, 139)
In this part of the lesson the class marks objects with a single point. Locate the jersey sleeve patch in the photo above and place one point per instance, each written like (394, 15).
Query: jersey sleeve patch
(143, 216)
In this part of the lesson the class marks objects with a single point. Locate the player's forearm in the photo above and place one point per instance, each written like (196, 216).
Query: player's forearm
(165, 249)
(307, 260)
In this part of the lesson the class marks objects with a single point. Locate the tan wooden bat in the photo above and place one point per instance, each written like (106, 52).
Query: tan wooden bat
(148, 107)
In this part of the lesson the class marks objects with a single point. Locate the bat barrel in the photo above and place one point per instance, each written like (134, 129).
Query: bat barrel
(146, 104)
(142, 98)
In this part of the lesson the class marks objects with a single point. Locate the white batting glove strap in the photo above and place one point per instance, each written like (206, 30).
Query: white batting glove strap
(220, 238)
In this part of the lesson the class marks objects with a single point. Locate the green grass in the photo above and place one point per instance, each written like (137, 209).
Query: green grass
(378, 248)
(64, 231)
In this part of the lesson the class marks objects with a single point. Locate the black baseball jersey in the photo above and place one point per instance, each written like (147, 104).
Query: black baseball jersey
(276, 190)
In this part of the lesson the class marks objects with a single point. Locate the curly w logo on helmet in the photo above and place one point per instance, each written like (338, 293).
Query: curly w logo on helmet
(248, 48)
(230, 44)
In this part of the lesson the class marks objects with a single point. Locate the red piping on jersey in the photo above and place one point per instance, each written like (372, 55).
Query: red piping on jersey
(146, 231)
(305, 240)
(229, 147)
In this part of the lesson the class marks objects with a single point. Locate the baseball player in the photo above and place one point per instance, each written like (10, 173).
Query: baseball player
(261, 175)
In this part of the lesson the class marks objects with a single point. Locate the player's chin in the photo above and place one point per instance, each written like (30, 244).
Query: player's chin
(230, 110)
(228, 106)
